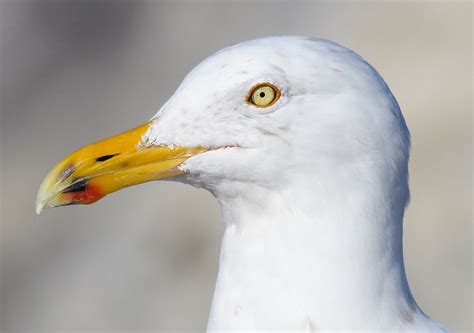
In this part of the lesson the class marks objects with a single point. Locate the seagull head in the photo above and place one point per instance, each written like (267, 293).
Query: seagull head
(264, 113)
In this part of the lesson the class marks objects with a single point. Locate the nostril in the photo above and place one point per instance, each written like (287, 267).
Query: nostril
(105, 157)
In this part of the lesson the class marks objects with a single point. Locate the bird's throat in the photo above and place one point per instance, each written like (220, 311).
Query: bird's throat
(295, 260)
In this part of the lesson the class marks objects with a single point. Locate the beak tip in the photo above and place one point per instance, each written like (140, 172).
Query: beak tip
(39, 207)
(43, 195)
(41, 203)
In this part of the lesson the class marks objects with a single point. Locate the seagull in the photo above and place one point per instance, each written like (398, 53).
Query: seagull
(306, 150)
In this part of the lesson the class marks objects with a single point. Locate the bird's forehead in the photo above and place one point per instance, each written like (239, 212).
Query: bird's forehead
(215, 91)
(238, 64)
(210, 103)
(296, 60)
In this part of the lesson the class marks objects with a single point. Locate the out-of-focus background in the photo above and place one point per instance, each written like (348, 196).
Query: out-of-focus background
(146, 258)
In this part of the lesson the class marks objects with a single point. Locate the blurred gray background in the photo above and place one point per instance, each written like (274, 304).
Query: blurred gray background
(145, 258)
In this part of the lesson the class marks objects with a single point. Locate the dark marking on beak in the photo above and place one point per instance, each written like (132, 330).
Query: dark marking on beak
(66, 172)
(79, 186)
(105, 157)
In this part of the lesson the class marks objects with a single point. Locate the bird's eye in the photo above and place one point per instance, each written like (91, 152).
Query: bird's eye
(264, 95)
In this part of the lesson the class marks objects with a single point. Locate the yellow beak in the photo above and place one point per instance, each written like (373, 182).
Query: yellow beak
(96, 170)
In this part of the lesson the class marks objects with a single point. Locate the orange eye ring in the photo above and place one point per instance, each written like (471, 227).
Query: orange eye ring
(263, 95)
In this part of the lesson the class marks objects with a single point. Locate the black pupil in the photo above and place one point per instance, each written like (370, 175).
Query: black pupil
(262, 94)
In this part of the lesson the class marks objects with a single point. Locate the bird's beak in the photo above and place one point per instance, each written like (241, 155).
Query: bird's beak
(96, 170)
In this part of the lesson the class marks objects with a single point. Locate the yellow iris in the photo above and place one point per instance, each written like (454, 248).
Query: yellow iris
(264, 95)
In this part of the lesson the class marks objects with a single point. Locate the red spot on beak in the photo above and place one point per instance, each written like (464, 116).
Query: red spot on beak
(89, 195)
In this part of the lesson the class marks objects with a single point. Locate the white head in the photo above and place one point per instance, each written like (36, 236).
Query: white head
(335, 118)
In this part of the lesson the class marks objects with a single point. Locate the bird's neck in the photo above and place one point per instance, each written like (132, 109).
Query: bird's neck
(312, 257)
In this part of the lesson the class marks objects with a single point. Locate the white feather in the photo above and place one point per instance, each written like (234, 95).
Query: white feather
(313, 191)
